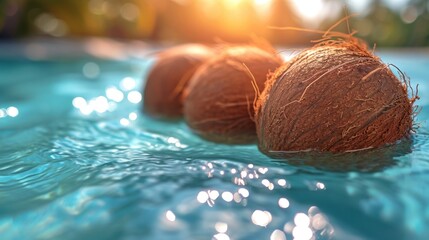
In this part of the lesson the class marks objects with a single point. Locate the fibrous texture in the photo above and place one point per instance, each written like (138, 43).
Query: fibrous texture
(334, 97)
(219, 100)
(168, 78)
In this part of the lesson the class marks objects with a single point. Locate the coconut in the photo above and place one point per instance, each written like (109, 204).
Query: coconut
(334, 97)
(372, 160)
(219, 99)
(169, 76)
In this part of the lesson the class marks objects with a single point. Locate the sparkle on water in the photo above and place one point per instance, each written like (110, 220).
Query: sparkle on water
(78, 160)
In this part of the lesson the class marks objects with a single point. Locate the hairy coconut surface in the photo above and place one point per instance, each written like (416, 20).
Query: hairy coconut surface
(219, 99)
(169, 76)
(334, 97)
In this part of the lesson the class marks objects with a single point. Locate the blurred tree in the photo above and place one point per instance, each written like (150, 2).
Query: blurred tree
(111, 18)
(10, 15)
(381, 26)
(419, 28)
(206, 20)
(389, 27)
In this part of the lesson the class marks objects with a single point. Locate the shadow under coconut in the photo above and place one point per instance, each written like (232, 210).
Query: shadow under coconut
(365, 161)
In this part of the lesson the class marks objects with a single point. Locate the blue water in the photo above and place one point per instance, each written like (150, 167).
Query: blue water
(78, 160)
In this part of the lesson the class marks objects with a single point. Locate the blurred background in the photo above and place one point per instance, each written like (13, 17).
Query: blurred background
(389, 23)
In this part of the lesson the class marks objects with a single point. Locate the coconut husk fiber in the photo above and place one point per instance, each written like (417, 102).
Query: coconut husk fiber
(169, 76)
(334, 97)
(219, 100)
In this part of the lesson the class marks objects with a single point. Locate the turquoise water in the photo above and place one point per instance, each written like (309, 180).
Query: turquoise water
(78, 160)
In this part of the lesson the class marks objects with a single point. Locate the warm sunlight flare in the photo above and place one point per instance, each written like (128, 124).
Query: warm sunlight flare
(309, 9)
(262, 7)
(262, 2)
(232, 4)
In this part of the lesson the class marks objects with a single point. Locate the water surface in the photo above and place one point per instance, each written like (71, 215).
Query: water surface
(78, 160)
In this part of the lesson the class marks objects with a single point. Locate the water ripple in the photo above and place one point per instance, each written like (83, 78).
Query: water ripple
(94, 177)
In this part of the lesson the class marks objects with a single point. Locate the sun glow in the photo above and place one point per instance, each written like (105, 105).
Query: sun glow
(262, 2)
(308, 9)
(231, 4)
(313, 12)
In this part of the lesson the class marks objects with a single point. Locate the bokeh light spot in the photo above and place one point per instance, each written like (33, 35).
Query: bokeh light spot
(278, 235)
(283, 203)
(170, 216)
(91, 70)
(134, 97)
(202, 197)
(261, 218)
(12, 111)
(227, 196)
(114, 94)
(221, 227)
(128, 84)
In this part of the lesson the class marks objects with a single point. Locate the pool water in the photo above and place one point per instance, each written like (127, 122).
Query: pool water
(78, 160)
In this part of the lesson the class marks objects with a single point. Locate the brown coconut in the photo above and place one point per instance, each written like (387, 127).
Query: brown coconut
(219, 100)
(334, 97)
(169, 76)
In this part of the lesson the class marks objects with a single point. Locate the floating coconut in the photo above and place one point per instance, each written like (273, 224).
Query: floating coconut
(219, 99)
(372, 160)
(169, 76)
(334, 97)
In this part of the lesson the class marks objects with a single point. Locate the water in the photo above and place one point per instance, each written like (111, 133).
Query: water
(78, 160)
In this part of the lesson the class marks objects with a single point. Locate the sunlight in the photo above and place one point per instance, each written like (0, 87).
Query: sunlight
(262, 2)
(261, 218)
(231, 4)
(309, 9)
(262, 7)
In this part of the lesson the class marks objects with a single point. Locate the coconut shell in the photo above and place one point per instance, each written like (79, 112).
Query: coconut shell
(334, 97)
(219, 100)
(169, 76)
